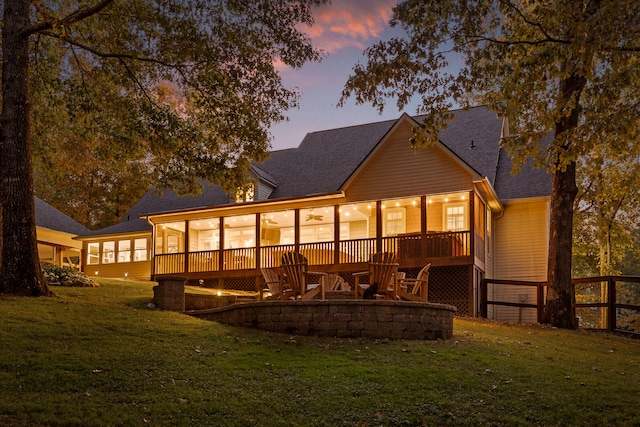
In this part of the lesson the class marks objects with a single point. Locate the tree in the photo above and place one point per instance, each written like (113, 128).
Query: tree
(568, 68)
(102, 69)
(606, 210)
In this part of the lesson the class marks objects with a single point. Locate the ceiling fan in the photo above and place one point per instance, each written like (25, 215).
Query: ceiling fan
(311, 216)
(268, 221)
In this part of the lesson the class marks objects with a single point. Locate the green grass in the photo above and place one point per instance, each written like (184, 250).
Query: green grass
(100, 357)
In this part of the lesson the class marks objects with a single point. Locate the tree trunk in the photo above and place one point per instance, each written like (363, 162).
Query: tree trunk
(20, 272)
(560, 308)
(560, 303)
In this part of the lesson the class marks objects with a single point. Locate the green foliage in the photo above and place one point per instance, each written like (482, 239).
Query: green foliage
(608, 206)
(66, 276)
(515, 57)
(99, 356)
(168, 93)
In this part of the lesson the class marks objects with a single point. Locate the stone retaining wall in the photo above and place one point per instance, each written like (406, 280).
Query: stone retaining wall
(341, 318)
(169, 293)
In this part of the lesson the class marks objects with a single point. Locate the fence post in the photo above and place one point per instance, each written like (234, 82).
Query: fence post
(540, 301)
(611, 303)
(483, 298)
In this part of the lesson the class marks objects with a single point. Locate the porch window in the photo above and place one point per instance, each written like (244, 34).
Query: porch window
(124, 251)
(394, 221)
(316, 225)
(358, 221)
(93, 253)
(204, 235)
(277, 228)
(170, 237)
(140, 250)
(455, 217)
(173, 244)
(240, 232)
(108, 252)
(401, 216)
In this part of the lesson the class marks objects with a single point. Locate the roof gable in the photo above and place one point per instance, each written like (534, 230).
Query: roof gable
(49, 217)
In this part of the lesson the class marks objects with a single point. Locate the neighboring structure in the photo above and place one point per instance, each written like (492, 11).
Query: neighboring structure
(122, 250)
(343, 195)
(55, 234)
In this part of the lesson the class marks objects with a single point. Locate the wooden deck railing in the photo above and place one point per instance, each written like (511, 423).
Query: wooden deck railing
(446, 244)
(607, 297)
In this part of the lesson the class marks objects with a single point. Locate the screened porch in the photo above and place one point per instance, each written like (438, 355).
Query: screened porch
(446, 229)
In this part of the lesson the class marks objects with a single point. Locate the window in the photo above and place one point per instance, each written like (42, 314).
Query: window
(455, 217)
(394, 221)
(108, 252)
(316, 224)
(358, 221)
(245, 194)
(93, 253)
(140, 250)
(173, 244)
(124, 251)
(240, 232)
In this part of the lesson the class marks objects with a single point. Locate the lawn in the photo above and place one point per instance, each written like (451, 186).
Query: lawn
(101, 357)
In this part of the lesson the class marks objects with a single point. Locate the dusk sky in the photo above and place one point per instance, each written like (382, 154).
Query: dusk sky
(344, 29)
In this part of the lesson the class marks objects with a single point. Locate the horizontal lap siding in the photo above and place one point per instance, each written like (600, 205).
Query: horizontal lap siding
(394, 170)
(521, 254)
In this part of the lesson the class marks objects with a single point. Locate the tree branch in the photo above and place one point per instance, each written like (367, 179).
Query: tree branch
(527, 20)
(79, 14)
(107, 54)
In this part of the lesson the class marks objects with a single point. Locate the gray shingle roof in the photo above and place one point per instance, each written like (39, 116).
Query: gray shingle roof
(326, 159)
(49, 217)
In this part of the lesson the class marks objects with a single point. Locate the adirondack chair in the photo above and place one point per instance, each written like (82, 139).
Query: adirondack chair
(294, 268)
(415, 289)
(271, 283)
(383, 271)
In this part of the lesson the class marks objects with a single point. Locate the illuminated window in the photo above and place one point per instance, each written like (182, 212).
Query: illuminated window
(245, 194)
(394, 221)
(140, 253)
(108, 252)
(93, 253)
(124, 251)
(455, 217)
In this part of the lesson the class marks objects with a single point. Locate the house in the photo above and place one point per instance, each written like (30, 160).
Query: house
(345, 194)
(55, 233)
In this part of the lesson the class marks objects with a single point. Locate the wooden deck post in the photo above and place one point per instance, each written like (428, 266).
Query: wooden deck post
(378, 226)
(423, 227)
(186, 247)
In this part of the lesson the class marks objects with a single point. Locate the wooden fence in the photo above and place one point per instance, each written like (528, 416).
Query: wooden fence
(613, 298)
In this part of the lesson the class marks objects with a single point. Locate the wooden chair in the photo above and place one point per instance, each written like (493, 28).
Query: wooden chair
(415, 289)
(383, 271)
(294, 268)
(271, 284)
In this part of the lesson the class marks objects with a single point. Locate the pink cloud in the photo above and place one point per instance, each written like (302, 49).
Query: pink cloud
(349, 23)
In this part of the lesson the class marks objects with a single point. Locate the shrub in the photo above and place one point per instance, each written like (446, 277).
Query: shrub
(66, 276)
